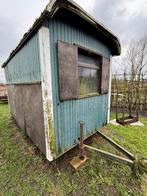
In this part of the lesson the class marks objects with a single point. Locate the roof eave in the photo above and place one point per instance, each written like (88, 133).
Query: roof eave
(27, 36)
(51, 9)
(74, 7)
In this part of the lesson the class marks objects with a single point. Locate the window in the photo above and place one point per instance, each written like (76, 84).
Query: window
(89, 72)
(81, 72)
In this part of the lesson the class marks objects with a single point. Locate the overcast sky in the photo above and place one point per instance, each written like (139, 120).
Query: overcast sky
(125, 18)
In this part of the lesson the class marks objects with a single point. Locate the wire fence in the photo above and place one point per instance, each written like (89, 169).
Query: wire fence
(128, 89)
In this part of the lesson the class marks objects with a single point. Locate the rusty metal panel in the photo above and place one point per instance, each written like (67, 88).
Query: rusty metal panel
(27, 108)
(105, 75)
(68, 70)
(16, 104)
(33, 110)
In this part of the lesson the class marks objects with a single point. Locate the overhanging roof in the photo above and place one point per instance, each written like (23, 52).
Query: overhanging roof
(50, 11)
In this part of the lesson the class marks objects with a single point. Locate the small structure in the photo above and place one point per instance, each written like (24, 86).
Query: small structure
(59, 75)
(3, 92)
(127, 99)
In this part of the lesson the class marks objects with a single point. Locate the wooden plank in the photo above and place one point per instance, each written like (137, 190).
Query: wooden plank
(47, 96)
(68, 70)
(111, 156)
(105, 75)
(123, 150)
(77, 162)
(90, 66)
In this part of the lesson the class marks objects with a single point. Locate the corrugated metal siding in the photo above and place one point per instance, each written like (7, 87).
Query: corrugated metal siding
(25, 65)
(67, 115)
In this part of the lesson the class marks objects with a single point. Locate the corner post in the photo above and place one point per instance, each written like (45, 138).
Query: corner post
(47, 96)
(109, 93)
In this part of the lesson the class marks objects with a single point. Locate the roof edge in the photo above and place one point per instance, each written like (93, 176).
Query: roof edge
(50, 10)
(78, 10)
(27, 36)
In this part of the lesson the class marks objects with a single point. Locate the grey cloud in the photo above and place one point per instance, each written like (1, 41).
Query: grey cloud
(2, 77)
(9, 36)
(106, 11)
(118, 18)
(114, 15)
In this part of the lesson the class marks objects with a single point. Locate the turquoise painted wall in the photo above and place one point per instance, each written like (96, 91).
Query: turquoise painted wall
(67, 114)
(25, 65)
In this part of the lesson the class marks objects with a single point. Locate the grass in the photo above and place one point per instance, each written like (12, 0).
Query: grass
(24, 171)
(134, 138)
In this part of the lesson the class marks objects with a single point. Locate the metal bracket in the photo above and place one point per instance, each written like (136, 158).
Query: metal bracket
(140, 164)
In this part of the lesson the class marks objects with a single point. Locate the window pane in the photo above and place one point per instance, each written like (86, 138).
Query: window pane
(88, 81)
(88, 59)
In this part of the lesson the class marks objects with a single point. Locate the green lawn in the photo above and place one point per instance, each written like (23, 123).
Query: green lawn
(134, 138)
(24, 171)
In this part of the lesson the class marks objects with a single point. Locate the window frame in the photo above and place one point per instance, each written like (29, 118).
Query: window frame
(68, 71)
(91, 66)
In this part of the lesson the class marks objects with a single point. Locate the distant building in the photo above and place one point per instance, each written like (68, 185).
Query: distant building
(2, 76)
(59, 75)
(3, 91)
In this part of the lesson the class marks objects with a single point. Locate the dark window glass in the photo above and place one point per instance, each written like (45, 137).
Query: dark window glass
(89, 73)
(88, 81)
(88, 59)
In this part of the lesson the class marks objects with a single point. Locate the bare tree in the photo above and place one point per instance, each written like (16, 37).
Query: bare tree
(134, 63)
(136, 58)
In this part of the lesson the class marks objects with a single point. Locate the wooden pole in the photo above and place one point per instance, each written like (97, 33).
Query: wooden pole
(127, 153)
(111, 156)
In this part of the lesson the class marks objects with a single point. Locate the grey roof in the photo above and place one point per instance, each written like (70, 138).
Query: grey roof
(51, 9)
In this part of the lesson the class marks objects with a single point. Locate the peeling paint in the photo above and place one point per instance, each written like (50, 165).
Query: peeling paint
(50, 135)
(44, 45)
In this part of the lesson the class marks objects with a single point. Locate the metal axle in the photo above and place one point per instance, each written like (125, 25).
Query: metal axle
(81, 146)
